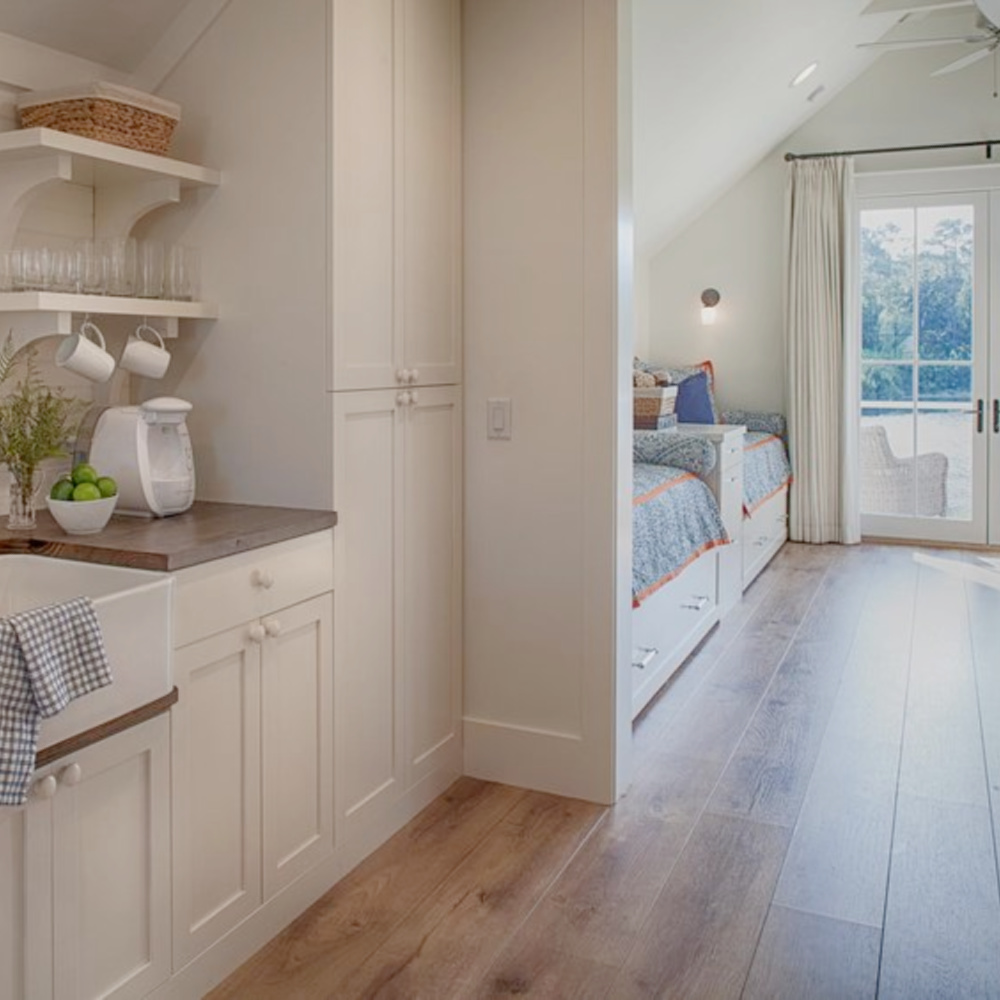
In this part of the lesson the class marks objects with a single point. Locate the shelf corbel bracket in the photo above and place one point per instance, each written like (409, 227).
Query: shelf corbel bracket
(119, 207)
(19, 180)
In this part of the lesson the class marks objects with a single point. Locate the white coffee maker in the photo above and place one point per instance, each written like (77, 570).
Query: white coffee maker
(146, 449)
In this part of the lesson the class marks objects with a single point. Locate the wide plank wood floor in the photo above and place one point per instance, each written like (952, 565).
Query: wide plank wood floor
(812, 816)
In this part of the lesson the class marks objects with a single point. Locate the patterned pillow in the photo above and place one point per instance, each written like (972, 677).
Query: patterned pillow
(754, 420)
(683, 451)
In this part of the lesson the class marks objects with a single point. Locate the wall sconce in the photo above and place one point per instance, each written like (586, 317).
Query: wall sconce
(710, 298)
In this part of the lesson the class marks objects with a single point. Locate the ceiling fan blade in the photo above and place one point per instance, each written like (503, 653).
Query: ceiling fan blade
(906, 6)
(968, 60)
(925, 43)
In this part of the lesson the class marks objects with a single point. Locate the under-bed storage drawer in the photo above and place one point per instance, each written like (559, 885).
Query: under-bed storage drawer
(669, 624)
(764, 532)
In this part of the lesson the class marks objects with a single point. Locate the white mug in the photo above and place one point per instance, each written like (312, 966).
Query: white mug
(141, 357)
(85, 354)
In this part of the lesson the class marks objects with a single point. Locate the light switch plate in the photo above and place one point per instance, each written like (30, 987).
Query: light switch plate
(498, 419)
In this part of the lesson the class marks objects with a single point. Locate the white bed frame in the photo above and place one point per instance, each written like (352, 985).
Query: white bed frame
(669, 624)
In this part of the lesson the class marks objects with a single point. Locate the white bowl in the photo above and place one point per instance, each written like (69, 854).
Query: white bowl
(82, 517)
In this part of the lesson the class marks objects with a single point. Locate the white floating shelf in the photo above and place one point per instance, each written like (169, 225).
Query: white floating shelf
(100, 163)
(104, 305)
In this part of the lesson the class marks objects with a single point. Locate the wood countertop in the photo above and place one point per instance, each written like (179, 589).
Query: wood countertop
(207, 531)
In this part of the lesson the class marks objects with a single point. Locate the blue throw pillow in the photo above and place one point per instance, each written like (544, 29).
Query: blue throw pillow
(694, 401)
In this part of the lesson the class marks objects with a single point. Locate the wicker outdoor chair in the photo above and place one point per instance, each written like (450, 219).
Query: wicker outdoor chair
(887, 481)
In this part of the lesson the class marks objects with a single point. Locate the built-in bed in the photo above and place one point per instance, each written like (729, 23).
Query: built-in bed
(678, 532)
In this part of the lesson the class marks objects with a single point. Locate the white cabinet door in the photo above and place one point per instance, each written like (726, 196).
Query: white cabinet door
(396, 193)
(429, 132)
(432, 575)
(111, 866)
(368, 477)
(367, 343)
(296, 741)
(397, 482)
(216, 774)
(12, 915)
(87, 914)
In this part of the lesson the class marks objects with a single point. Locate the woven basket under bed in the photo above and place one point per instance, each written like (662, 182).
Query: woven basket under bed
(108, 113)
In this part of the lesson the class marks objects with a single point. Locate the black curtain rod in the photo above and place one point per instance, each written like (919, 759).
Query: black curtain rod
(988, 143)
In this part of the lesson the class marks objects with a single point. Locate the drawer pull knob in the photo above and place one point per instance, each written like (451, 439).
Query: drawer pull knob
(71, 775)
(402, 376)
(262, 578)
(643, 656)
(46, 787)
(257, 633)
(272, 627)
(404, 398)
(696, 603)
(414, 374)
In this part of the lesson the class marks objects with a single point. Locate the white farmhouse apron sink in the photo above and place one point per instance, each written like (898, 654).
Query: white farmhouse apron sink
(133, 607)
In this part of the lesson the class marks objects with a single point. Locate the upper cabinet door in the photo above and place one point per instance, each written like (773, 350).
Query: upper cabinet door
(396, 193)
(366, 342)
(430, 133)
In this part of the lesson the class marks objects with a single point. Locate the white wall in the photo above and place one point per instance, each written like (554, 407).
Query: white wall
(255, 105)
(736, 244)
(540, 237)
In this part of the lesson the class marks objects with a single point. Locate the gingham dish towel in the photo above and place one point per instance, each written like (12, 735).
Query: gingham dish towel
(48, 657)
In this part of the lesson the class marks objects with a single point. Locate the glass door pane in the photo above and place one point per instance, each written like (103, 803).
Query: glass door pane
(922, 298)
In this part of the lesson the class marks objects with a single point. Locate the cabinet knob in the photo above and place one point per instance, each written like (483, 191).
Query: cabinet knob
(46, 787)
(71, 775)
(414, 375)
(402, 376)
(404, 398)
(257, 633)
(272, 627)
(413, 397)
(262, 578)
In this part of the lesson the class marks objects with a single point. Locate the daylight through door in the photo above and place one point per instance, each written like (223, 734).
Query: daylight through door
(924, 335)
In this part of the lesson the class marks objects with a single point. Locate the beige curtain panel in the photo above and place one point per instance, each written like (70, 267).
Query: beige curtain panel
(822, 377)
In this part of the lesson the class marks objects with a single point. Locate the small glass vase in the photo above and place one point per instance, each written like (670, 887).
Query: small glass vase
(23, 493)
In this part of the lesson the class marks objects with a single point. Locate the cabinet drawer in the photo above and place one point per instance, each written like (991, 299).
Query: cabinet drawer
(218, 595)
(730, 451)
(731, 499)
(763, 533)
(663, 621)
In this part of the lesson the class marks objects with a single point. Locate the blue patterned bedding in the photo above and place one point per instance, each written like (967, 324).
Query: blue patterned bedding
(674, 520)
(765, 469)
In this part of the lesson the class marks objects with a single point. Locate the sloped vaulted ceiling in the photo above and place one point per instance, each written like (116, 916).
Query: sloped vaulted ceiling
(713, 96)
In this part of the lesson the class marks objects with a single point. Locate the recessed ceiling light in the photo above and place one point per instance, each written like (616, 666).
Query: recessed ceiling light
(804, 74)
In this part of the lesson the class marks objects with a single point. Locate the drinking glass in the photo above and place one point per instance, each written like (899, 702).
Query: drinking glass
(34, 273)
(65, 271)
(149, 284)
(183, 273)
(121, 265)
(7, 270)
(92, 263)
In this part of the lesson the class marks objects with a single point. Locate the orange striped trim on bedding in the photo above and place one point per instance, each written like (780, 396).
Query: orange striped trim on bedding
(654, 587)
(662, 488)
(762, 441)
(747, 511)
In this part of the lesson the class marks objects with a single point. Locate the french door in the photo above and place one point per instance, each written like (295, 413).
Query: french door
(928, 255)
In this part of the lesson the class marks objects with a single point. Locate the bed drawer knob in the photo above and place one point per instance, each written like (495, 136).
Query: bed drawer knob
(696, 603)
(643, 656)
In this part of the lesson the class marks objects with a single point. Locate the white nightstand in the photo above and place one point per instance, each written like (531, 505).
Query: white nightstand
(726, 482)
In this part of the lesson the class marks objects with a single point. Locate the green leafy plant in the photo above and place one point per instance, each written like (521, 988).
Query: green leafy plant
(35, 421)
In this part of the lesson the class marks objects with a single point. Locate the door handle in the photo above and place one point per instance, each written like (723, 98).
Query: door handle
(980, 415)
(996, 416)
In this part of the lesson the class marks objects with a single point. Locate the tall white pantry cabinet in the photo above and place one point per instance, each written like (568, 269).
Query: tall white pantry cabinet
(397, 410)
